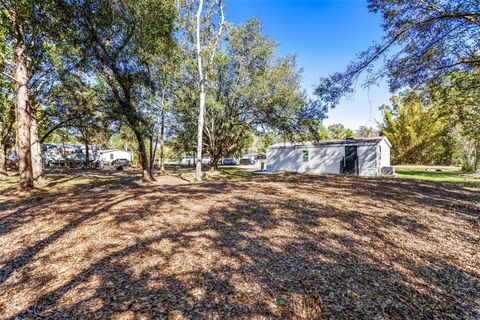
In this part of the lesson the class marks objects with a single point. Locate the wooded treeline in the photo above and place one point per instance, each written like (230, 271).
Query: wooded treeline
(148, 68)
(144, 70)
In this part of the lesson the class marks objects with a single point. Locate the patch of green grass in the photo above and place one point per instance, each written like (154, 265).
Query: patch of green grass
(7, 182)
(450, 176)
(232, 173)
(280, 301)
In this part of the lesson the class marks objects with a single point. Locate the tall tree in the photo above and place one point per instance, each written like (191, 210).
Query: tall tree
(250, 90)
(114, 43)
(7, 121)
(29, 27)
(366, 132)
(413, 128)
(338, 131)
(163, 75)
(457, 97)
(7, 107)
(206, 43)
(17, 19)
(424, 40)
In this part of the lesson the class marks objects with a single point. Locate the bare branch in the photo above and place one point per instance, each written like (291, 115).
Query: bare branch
(8, 76)
(219, 33)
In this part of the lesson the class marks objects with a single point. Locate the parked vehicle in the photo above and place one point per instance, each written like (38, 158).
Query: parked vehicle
(247, 161)
(187, 161)
(11, 161)
(229, 161)
(120, 163)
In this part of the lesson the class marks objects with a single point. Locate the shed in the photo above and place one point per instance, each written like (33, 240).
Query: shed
(363, 156)
(107, 156)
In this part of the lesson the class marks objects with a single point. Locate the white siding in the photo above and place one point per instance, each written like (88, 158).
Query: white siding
(368, 161)
(326, 159)
(287, 159)
(109, 156)
(384, 154)
(322, 159)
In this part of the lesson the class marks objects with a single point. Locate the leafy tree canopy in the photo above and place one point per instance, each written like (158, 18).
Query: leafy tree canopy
(424, 40)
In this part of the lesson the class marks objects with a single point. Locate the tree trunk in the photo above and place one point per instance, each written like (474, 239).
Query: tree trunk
(22, 112)
(87, 154)
(201, 113)
(215, 156)
(3, 151)
(153, 151)
(162, 143)
(142, 152)
(476, 165)
(150, 153)
(214, 163)
(36, 150)
(3, 162)
(448, 155)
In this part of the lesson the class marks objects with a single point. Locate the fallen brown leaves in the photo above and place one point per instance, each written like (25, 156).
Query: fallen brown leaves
(286, 246)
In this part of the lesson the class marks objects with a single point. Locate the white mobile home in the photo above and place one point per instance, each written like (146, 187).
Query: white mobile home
(71, 154)
(364, 157)
(107, 156)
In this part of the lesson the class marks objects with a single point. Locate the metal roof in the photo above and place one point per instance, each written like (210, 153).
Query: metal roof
(358, 141)
(113, 150)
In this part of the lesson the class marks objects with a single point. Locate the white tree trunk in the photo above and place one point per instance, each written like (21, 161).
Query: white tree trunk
(201, 111)
(201, 120)
(203, 79)
(36, 150)
(3, 169)
(162, 142)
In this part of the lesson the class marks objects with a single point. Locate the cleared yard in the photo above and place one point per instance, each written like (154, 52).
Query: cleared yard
(439, 174)
(281, 246)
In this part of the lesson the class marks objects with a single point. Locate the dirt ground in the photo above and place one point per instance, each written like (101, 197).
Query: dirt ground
(278, 246)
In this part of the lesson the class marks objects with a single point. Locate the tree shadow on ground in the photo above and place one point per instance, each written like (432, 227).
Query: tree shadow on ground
(215, 251)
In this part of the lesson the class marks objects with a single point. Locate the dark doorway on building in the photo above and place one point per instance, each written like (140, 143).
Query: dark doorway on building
(350, 165)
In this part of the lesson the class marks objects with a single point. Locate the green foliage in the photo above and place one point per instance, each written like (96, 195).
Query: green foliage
(250, 90)
(437, 126)
(413, 129)
(366, 132)
(7, 110)
(423, 41)
(458, 99)
(338, 131)
(265, 140)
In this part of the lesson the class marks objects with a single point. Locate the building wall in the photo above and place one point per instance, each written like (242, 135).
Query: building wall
(321, 159)
(384, 154)
(327, 159)
(368, 161)
(286, 159)
(117, 154)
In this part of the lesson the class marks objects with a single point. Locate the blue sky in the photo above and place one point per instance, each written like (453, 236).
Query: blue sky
(325, 35)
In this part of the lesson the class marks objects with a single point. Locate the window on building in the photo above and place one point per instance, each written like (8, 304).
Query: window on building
(305, 155)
